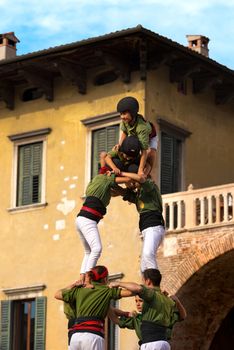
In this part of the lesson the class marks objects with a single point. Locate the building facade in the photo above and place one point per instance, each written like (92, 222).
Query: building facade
(57, 113)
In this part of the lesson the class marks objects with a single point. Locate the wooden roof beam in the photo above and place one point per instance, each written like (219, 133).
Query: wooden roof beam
(41, 79)
(143, 59)
(160, 58)
(182, 70)
(225, 95)
(120, 65)
(202, 84)
(74, 73)
(7, 94)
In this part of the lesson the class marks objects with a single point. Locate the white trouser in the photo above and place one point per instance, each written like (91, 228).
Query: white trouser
(90, 238)
(152, 238)
(86, 341)
(156, 345)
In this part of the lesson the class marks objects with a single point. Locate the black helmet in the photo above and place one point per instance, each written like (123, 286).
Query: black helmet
(131, 146)
(128, 104)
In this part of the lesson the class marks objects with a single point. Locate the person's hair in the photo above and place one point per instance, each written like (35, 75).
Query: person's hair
(98, 273)
(153, 275)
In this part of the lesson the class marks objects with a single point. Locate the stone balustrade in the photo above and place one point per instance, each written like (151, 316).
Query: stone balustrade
(200, 208)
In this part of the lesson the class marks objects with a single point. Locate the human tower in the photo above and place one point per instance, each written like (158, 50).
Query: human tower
(87, 301)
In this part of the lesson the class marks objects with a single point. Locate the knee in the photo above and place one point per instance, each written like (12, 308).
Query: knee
(103, 154)
(97, 251)
(148, 254)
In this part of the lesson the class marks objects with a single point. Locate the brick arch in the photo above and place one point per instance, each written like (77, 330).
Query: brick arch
(196, 259)
(208, 298)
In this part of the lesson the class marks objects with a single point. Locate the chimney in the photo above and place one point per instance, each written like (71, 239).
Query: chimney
(8, 43)
(198, 43)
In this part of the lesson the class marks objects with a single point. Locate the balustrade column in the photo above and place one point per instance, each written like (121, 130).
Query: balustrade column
(171, 216)
(225, 207)
(210, 210)
(202, 211)
(217, 209)
(179, 214)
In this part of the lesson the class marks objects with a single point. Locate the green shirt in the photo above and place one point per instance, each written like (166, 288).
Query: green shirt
(135, 323)
(141, 128)
(157, 307)
(147, 198)
(91, 301)
(100, 187)
(132, 323)
(69, 310)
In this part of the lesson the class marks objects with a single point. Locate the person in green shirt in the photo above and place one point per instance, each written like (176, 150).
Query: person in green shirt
(132, 123)
(126, 158)
(98, 195)
(132, 320)
(146, 195)
(158, 312)
(90, 307)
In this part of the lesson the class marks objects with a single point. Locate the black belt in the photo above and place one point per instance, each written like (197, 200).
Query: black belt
(150, 332)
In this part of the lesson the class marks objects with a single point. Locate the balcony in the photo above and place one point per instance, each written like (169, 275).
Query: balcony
(199, 209)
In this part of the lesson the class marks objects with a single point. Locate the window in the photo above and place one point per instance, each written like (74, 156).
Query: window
(105, 78)
(11, 43)
(171, 149)
(172, 139)
(182, 86)
(29, 174)
(102, 140)
(23, 324)
(32, 94)
(102, 135)
(29, 167)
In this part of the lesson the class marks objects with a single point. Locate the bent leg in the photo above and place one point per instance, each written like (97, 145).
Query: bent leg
(152, 238)
(90, 238)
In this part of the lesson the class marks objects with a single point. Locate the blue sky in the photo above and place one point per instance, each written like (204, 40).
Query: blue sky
(40, 24)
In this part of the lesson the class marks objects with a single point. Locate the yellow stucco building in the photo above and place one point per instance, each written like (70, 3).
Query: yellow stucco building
(57, 112)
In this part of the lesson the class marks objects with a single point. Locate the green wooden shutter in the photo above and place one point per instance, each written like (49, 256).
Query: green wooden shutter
(29, 174)
(102, 140)
(112, 136)
(40, 323)
(5, 335)
(170, 163)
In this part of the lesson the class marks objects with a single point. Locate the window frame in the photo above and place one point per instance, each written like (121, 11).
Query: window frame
(92, 124)
(22, 139)
(115, 329)
(178, 133)
(17, 294)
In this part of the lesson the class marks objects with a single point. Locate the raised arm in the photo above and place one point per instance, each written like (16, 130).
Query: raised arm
(133, 287)
(142, 162)
(59, 294)
(180, 307)
(123, 136)
(111, 164)
(113, 315)
(133, 176)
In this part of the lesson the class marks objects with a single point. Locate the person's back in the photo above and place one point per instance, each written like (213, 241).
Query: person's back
(157, 313)
(92, 301)
(90, 307)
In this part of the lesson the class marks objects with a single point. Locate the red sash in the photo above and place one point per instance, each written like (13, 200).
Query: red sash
(93, 211)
